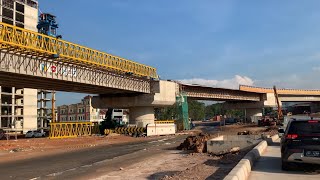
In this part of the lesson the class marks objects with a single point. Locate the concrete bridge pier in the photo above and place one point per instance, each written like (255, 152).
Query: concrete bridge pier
(252, 115)
(141, 116)
(141, 106)
(253, 110)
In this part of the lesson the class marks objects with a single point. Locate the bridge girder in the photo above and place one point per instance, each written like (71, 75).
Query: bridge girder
(32, 71)
(218, 94)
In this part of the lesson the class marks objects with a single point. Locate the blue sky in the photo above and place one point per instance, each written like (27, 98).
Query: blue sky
(212, 42)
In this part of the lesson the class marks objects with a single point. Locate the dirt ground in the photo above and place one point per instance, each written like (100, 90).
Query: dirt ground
(23, 148)
(178, 165)
(166, 164)
(205, 127)
(181, 165)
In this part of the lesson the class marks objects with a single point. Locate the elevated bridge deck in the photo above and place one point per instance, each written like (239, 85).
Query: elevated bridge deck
(198, 92)
(279, 91)
(33, 60)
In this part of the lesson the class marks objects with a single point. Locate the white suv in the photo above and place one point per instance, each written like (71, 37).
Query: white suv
(34, 134)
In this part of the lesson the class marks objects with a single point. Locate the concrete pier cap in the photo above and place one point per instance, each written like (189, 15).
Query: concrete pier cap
(163, 93)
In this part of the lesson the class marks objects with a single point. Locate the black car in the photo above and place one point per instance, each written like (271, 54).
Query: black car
(300, 142)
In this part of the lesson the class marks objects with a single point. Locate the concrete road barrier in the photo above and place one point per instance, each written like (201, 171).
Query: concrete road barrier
(160, 129)
(272, 139)
(242, 170)
(227, 142)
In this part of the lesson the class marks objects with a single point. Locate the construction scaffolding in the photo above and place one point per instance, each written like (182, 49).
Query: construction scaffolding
(183, 113)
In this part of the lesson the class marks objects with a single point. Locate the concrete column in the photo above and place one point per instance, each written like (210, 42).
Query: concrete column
(252, 115)
(13, 102)
(141, 116)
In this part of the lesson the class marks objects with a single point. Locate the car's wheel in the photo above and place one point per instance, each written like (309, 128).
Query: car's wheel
(285, 166)
(33, 136)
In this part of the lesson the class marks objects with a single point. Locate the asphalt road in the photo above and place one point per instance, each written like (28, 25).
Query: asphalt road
(86, 163)
(269, 167)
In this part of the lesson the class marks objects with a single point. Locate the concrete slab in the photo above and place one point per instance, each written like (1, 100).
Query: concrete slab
(225, 143)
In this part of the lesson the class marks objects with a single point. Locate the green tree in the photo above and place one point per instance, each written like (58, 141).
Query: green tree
(166, 113)
(235, 113)
(214, 110)
(196, 110)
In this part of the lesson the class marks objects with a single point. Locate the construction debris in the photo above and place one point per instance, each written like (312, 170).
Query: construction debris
(196, 143)
(245, 133)
(271, 130)
(228, 151)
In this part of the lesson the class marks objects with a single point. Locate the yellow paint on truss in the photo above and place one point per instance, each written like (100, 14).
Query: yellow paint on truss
(35, 43)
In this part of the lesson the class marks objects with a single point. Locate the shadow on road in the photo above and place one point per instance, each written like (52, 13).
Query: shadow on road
(222, 169)
(297, 168)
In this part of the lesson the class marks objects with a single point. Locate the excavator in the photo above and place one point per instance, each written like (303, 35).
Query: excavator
(280, 114)
(272, 120)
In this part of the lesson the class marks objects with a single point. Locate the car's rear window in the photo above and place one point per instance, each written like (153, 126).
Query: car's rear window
(305, 127)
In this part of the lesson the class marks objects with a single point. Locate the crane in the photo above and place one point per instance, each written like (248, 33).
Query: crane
(47, 25)
(280, 114)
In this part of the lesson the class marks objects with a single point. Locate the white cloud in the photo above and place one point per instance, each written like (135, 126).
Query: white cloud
(232, 83)
(316, 68)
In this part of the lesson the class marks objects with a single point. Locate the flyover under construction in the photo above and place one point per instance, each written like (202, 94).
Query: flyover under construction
(35, 60)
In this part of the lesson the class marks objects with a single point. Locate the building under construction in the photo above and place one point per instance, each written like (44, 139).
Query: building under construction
(21, 13)
(23, 109)
(46, 100)
(18, 108)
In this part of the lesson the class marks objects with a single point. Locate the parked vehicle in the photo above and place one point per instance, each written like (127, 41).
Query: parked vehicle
(34, 134)
(300, 143)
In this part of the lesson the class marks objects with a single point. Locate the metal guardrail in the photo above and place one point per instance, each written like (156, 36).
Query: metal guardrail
(30, 42)
(70, 129)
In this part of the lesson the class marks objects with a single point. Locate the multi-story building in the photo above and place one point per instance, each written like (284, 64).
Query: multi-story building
(18, 108)
(121, 115)
(21, 13)
(80, 112)
(19, 104)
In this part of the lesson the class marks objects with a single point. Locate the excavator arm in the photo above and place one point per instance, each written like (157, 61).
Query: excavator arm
(280, 114)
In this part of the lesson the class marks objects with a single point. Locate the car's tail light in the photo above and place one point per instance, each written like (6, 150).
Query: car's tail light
(295, 150)
(313, 121)
(292, 136)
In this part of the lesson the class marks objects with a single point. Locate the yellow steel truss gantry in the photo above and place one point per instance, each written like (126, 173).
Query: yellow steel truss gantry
(31, 42)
